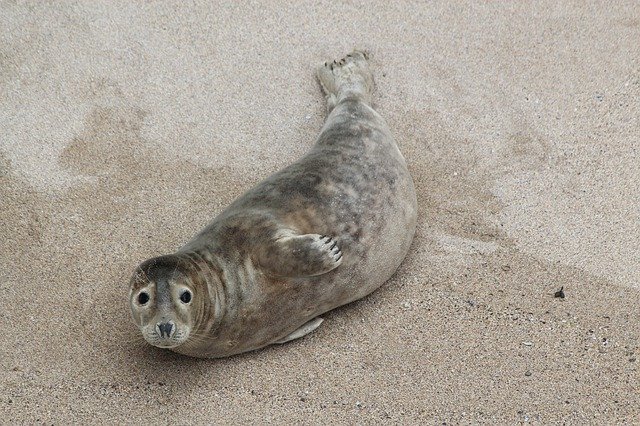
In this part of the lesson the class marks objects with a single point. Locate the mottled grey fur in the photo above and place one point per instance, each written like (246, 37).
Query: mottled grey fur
(326, 230)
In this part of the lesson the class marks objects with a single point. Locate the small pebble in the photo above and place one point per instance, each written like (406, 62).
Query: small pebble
(527, 373)
(559, 293)
(527, 343)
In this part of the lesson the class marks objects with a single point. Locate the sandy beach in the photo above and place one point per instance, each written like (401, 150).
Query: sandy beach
(125, 127)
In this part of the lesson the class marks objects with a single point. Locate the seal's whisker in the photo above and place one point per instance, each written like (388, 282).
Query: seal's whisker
(135, 341)
(135, 338)
(202, 338)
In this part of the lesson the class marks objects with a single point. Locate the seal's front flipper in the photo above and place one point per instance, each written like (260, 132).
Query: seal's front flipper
(302, 331)
(300, 256)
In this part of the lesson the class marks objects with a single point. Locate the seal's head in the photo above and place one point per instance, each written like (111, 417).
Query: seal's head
(164, 301)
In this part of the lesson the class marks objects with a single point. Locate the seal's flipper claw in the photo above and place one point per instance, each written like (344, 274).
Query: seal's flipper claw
(302, 331)
(299, 256)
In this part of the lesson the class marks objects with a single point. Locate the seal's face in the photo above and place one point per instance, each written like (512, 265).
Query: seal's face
(162, 301)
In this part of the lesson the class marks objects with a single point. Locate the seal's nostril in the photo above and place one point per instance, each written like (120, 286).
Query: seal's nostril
(165, 328)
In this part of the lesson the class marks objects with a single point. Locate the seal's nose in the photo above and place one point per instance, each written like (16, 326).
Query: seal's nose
(167, 328)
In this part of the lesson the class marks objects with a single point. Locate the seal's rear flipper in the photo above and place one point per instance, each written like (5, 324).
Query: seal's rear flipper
(349, 77)
(299, 256)
(302, 331)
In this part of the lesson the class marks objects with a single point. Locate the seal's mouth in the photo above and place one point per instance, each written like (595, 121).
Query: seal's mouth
(165, 335)
(164, 343)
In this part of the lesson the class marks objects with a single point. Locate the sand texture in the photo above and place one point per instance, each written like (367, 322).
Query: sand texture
(126, 126)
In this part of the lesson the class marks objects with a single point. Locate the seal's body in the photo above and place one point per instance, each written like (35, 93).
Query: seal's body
(325, 231)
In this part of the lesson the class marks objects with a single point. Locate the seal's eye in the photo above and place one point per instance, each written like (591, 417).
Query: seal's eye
(143, 298)
(185, 297)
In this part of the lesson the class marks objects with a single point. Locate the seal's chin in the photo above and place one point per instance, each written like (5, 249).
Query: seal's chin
(165, 345)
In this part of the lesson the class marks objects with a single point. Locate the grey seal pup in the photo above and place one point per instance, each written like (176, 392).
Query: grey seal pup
(325, 231)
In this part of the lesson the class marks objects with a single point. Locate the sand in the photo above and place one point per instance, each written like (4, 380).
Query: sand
(126, 127)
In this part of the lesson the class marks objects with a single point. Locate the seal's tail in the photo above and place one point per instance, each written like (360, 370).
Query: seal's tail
(349, 77)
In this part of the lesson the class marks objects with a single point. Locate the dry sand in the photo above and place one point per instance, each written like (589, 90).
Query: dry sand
(125, 127)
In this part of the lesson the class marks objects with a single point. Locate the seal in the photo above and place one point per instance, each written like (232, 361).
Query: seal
(327, 230)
